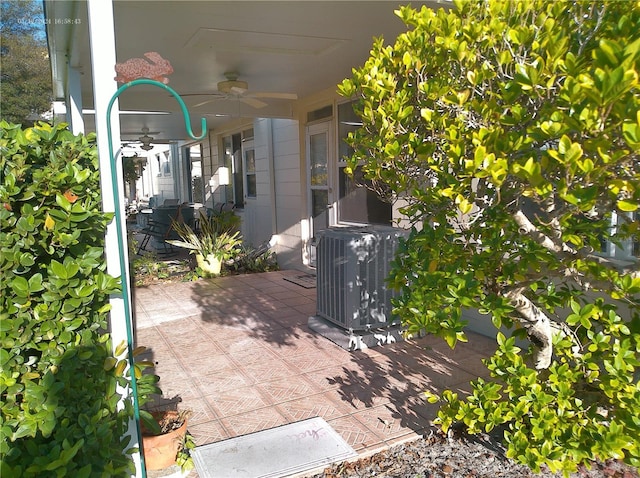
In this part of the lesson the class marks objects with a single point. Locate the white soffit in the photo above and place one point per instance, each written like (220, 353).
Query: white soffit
(262, 42)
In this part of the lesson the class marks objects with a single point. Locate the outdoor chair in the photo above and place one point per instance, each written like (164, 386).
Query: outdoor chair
(160, 230)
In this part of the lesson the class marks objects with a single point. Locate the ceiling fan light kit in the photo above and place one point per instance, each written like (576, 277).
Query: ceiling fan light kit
(232, 84)
(146, 140)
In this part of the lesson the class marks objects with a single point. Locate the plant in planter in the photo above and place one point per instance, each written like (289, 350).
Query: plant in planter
(164, 449)
(211, 247)
(165, 439)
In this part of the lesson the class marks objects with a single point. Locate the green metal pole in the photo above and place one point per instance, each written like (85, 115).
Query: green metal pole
(121, 240)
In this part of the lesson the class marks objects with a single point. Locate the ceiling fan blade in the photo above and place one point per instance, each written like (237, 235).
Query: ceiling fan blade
(253, 102)
(274, 95)
(137, 133)
(128, 144)
(202, 103)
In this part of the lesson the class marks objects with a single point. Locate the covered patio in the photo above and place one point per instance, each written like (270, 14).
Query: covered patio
(237, 351)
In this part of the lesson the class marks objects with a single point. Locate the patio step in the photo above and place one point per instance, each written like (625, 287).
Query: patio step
(277, 452)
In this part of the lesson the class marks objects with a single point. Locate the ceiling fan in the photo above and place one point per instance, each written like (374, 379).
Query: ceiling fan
(145, 141)
(235, 89)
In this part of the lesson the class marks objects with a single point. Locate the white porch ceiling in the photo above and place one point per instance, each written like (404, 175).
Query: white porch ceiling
(300, 47)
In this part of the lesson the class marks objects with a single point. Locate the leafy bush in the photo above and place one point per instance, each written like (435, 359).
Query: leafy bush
(225, 221)
(511, 131)
(149, 268)
(57, 383)
(250, 259)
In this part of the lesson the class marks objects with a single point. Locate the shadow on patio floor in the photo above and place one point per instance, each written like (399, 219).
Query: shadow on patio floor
(238, 352)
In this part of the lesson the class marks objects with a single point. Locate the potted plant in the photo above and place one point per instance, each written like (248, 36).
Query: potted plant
(165, 439)
(210, 246)
(162, 449)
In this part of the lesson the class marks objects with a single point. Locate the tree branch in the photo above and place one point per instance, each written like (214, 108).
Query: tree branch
(527, 227)
(537, 324)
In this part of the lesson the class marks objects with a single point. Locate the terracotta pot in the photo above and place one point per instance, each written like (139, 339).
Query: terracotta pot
(209, 264)
(160, 451)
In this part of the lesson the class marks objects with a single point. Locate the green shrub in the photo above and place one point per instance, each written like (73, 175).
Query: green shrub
(510, 130)
(250, 259)
(57, 383)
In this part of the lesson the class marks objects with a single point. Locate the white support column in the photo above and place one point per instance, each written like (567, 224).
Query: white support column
(272, 182)
(103, 60)
(74, 101)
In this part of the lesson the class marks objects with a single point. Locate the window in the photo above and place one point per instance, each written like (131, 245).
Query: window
(249, 156)
(233, 192)
(234, 148)
(320, 114)
(623, 249)
(250, 168)
(166, 163)
(320, 191)
(357, 203)
(193, 155)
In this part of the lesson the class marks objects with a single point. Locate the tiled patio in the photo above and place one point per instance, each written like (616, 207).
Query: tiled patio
(237, 351)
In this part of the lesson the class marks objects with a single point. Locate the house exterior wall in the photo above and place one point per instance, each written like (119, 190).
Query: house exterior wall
(279, 212)
(288, 193)
(256, 223)
(274, 214)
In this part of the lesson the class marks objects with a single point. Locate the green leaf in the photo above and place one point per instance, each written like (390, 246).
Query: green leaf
(27, 428)
(20, 286)
(58, 269)
(35, 283)
(573, 153)
(627, 206)
(631, 133)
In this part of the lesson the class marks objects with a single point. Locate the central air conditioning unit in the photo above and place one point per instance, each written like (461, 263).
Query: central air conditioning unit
(352, 266)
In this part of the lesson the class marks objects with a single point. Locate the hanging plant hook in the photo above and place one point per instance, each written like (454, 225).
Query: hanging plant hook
(119, 224)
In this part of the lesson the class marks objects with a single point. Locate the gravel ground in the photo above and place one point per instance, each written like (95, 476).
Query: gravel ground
(462, 457)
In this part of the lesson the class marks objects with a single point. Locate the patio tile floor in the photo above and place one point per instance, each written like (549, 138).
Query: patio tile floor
(238, 352)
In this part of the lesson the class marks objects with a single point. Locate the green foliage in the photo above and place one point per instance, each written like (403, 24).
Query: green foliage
(153, 423)
(225, 221)
(209, 240)
(25, 81)
(184, 459)
(130, 169)
(57, 387)
(511, 131)
(250, 259)
(146, 381)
